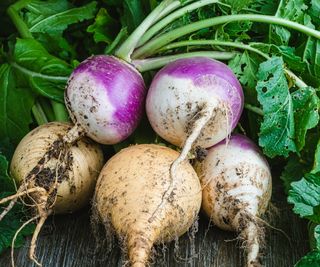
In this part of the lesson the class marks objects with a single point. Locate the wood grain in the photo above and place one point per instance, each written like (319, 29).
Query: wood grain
(67, 241)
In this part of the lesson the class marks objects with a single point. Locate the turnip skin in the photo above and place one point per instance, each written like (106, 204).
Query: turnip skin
(182, 88)
(63, 184)
(87, 160)
(130, 195)
(237, 186)
(105, 98)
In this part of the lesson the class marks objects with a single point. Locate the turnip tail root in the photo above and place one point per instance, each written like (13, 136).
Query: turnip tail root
(16, 234)
(252, 236)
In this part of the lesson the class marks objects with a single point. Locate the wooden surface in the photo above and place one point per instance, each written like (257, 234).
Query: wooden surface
(66, 241)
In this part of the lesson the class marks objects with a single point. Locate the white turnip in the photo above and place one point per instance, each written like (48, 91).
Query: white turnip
(236, 183)
(130, 196)
(62, 185)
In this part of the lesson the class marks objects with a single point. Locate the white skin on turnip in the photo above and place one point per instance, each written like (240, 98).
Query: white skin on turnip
(62, 185)
(194, 102)
(236, 183)
(128, 192)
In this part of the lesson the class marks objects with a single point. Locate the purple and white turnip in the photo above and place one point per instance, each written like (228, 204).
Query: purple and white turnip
(236, 182)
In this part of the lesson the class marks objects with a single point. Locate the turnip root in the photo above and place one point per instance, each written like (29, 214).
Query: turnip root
(130, 196)
(62, 185)
(236, 183)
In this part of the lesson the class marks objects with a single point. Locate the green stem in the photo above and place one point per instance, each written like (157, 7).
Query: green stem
(39, 114)
(213, 42)
(154, 63)
(164, 39)
(47, 108)
(130, 44)
(168, 19)
(109, 49)
(60, 111)
(13, 12)
(299, 83)
(171, 8)
(254, 109)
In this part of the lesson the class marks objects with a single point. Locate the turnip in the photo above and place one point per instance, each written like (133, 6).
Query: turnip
(236, 183)
(62, 185)
(194, 102)
(130, 194)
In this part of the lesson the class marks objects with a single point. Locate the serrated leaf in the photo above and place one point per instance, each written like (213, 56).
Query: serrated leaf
(15, 106)
(47, 75)
(103, 28)
(277, 131)
(305, 196)
(306, 113)
(293, 61)
(294, 10)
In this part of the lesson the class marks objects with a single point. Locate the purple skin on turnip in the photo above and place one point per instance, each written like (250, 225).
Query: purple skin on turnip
(105, 97)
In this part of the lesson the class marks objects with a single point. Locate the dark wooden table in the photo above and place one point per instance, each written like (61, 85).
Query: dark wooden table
(66, 241)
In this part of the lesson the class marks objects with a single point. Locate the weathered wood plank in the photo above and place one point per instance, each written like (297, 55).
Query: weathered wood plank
(66, 241)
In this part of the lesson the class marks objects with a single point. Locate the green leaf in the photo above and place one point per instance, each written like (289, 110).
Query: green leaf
(294, 62)
(306, 113)
(311, 57)
(6, 183)
(314, 11)
(245, 67)
(239, 4)
(317, 237)
(294, 10)
(47, 75)
(312, 259)
(133, 14)
(277, 131)
(293, 171)
(103, 28)
(305, 196)
(15, 106)
(55, 21)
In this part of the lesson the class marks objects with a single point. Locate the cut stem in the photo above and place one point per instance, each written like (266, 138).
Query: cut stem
(170, 18)
(144, 65)
(126, 49)
(164, 39)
